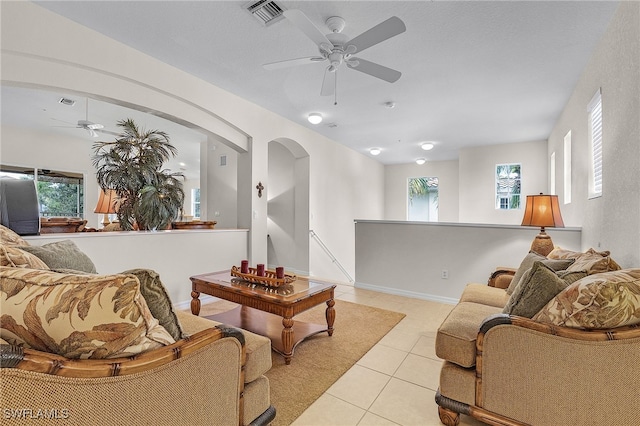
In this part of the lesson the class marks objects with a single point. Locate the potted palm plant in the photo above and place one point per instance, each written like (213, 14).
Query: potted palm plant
(149, 197)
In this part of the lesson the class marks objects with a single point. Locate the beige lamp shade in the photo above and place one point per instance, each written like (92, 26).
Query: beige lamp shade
(543, 211)
(106, 202)
(106, 205)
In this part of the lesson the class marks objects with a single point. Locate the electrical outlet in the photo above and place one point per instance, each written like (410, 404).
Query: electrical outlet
(444, 274)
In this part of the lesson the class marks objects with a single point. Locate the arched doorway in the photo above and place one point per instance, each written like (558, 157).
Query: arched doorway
(288, 206)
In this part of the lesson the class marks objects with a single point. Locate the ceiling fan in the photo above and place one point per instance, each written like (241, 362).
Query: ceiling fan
(337, 48)
(91, 127)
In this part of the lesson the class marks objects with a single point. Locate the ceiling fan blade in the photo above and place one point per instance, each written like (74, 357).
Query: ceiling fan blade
(111, 133)
(381, 32)
(292, 62)
(305, 25)
(328, 83)
(95, 126)
(375, 70)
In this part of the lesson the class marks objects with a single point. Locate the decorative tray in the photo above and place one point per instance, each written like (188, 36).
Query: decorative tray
(269, 279)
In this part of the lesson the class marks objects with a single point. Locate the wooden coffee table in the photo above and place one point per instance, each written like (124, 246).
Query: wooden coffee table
(268, 311)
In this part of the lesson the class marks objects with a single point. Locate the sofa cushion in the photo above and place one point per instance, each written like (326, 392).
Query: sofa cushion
(594, 262)
(537, 286)
(555, 264)
(598, 301)
(63, 254)
(14, 257)
(158, 301)
(560, 253)
(484, 294)
(10, 238)
(456, 337)
(258, 348)
(77, 316)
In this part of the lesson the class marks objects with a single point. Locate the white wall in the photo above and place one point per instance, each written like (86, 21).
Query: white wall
(610, 222)
(395, 188)
(407, 258)
(222, 188)
(55, 56)
(477, 168)
(175, 255)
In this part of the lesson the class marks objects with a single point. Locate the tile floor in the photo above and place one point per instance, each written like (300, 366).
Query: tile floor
(396, 381)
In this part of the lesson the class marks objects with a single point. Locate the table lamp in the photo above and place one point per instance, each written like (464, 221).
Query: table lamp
(543, 211)
(106, 205)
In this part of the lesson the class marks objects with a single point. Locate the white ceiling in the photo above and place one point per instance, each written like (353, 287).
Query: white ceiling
(473, 72)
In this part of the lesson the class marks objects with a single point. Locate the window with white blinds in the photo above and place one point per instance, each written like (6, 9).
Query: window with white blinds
(595, 140)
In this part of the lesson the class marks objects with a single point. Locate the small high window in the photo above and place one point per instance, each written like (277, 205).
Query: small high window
(195, 202)
(508, 186)
(595, 142)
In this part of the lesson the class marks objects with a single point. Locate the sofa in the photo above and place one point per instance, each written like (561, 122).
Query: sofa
(80, 348)
(552, 342)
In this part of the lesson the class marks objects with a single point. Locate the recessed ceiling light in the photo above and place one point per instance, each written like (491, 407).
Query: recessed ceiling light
(427, 146)
(375, 151)
(420, 161)
(315, 118)
(182, 164)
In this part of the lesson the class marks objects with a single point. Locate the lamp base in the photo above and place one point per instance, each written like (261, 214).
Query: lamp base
(105, 220)
(542, 244)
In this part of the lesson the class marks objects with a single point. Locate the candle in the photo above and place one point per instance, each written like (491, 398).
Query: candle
(260, 269)
(244, 266)
(279, 272)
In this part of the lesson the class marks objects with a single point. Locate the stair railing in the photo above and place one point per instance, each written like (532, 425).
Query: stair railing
(331, 256)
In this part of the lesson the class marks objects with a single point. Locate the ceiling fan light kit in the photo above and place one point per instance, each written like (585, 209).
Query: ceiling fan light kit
(336, 48)
(315, 118)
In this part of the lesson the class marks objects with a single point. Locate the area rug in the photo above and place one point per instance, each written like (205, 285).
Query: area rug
(320, 360)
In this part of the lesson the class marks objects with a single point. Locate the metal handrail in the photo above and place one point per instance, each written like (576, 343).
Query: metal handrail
(331, 256)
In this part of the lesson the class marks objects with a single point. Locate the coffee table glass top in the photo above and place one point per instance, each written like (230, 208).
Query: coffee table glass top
(300, 287)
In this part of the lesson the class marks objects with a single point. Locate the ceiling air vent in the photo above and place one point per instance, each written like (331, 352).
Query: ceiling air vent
(265, 11)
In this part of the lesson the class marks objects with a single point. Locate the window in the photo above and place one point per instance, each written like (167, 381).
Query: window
(60, 194)
(508, 186)
(567, 168)
(195, 202)
(595, 142)
(422, 199)
(552, 173)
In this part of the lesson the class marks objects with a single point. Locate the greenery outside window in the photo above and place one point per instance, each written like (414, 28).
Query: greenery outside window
(60, 193)
(508, 186)
(422, 199)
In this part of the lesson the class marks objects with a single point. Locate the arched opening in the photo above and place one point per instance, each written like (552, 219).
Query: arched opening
(288, 206)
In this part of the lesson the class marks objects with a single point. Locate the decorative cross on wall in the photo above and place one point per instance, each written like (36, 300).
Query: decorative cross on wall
(259, 187)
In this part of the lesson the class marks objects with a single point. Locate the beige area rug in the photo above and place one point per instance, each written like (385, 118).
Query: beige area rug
(320, 360)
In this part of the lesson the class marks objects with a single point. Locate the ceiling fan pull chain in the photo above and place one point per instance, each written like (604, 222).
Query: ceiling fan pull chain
(335, 89)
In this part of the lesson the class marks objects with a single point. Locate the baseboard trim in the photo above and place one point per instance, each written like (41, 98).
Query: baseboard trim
(407, 293)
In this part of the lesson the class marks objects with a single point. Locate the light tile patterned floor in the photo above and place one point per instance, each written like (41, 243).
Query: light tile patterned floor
(396, 381)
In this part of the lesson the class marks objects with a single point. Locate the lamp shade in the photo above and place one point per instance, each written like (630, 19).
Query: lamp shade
(543, 211)
(106, 202)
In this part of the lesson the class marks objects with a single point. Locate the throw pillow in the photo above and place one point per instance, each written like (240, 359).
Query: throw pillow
(537, 286)
(525, 265)
(77, 316)
(157, 298)
(10, 238)
(14, 257)
(594, 262)
(598, 301)
(531, 258)
(63, 255)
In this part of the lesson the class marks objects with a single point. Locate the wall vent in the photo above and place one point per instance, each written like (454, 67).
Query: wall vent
(266, 12)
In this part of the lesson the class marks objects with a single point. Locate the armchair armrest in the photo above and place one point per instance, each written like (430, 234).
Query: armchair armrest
(556, 373)
(501, 277)
(47, 363)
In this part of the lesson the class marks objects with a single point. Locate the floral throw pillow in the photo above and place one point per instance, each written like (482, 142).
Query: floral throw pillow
(14, 257)
(77, 316)
(594, 262)
(10, 238)
(598, 301)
